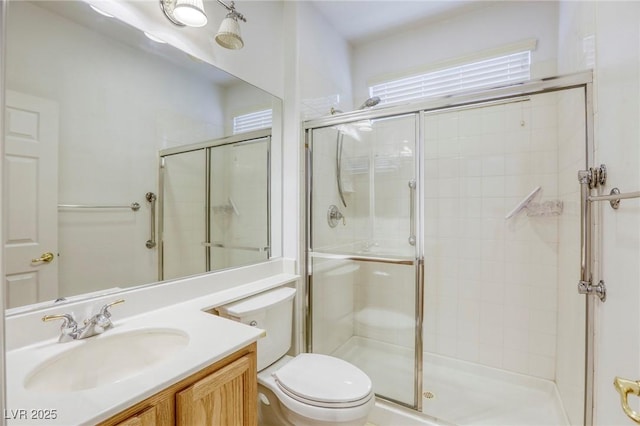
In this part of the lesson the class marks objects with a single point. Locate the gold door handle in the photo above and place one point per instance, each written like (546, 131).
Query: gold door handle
(46, 258)
(624, 388)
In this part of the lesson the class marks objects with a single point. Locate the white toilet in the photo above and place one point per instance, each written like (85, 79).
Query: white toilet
(308, 389)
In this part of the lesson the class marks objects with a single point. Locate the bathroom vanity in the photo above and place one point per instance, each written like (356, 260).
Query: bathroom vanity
(174, 365)
(223, 393)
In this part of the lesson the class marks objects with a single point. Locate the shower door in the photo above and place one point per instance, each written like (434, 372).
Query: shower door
(182, 221)
(364, 269)
(214, 205)
(238, 203)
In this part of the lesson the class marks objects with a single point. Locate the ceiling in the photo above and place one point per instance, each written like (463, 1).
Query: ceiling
(361, 20)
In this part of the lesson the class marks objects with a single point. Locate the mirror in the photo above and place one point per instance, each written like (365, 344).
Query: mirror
(91, 104)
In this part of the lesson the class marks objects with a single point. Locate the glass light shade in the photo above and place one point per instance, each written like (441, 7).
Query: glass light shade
(190, 12)
(229, 34)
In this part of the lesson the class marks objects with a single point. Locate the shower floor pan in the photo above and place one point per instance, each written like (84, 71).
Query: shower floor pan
(456, 391)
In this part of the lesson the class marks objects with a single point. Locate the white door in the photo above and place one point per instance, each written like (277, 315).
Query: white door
(31, 196)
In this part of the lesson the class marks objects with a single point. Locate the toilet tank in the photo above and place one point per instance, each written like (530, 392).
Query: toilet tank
(273, 312)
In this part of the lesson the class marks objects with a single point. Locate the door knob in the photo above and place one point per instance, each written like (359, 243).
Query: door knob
(45, 257)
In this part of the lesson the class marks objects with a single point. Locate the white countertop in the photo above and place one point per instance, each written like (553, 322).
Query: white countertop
(211, 338)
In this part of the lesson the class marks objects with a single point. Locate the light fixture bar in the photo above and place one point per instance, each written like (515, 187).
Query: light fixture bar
(232, 8)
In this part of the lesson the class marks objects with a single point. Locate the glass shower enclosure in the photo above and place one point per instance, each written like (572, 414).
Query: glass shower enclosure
(443, 252)
(363, 251)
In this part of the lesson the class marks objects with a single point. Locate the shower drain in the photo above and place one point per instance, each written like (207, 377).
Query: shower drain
(428, 395)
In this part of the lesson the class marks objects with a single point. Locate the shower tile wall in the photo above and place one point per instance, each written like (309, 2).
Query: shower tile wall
(238, 203)
(491, 283)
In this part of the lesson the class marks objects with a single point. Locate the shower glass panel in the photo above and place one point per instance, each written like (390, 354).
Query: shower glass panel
(504, 326)
(214, 205)
(364, 281)
(239, 200)
(183, 214)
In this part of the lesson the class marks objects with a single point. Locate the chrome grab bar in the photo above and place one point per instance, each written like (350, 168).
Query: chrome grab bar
(151, 197)
(588, 179)
(614, 197)
(221, 245)
(133, 206)
(624, 388)
(356, 258)
(412, 212)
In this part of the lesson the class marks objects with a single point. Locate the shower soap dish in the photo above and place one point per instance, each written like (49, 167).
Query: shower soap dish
(545, 208)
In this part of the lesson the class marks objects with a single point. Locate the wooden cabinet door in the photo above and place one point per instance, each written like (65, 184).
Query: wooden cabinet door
(147, 418)
(227, 397)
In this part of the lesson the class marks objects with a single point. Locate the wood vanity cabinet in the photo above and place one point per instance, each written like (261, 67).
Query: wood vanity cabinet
(223, 394)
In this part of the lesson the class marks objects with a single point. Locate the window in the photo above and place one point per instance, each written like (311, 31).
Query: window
(252, 121)
(493, 72)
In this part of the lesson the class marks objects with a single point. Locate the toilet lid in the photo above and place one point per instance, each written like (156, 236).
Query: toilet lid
(323, 381)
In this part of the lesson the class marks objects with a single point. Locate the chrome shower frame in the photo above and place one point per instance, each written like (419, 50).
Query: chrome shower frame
(205, 147)
(581, 80)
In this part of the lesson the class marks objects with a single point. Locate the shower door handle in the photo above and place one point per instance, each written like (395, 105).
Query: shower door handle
(412, 212)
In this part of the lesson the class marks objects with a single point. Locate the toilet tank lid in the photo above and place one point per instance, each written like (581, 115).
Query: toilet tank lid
(255, 303)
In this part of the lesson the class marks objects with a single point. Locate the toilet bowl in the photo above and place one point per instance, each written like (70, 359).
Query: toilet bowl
(305, 390)
(305, 393)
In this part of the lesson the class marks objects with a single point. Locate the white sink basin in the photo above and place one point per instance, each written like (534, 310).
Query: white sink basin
(105, 359)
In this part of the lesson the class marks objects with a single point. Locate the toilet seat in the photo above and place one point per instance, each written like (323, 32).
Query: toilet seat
(324, 381)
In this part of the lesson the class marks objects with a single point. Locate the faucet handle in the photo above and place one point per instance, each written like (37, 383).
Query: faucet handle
(68, 320)
(68, 328)
(102, 318)
(105, 308)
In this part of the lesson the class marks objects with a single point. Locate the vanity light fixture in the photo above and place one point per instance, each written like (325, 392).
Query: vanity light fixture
(191, 13)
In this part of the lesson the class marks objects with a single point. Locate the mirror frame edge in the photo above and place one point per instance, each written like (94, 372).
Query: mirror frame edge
(3, 38)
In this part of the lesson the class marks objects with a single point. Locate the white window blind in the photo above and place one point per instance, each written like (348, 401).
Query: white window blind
(252, 121)
(492, 72)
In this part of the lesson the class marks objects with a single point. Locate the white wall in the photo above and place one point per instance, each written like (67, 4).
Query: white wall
(617, 107)
(421, 48)
(324, 64)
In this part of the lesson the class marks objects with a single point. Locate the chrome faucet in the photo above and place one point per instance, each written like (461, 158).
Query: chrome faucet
(98, 323)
